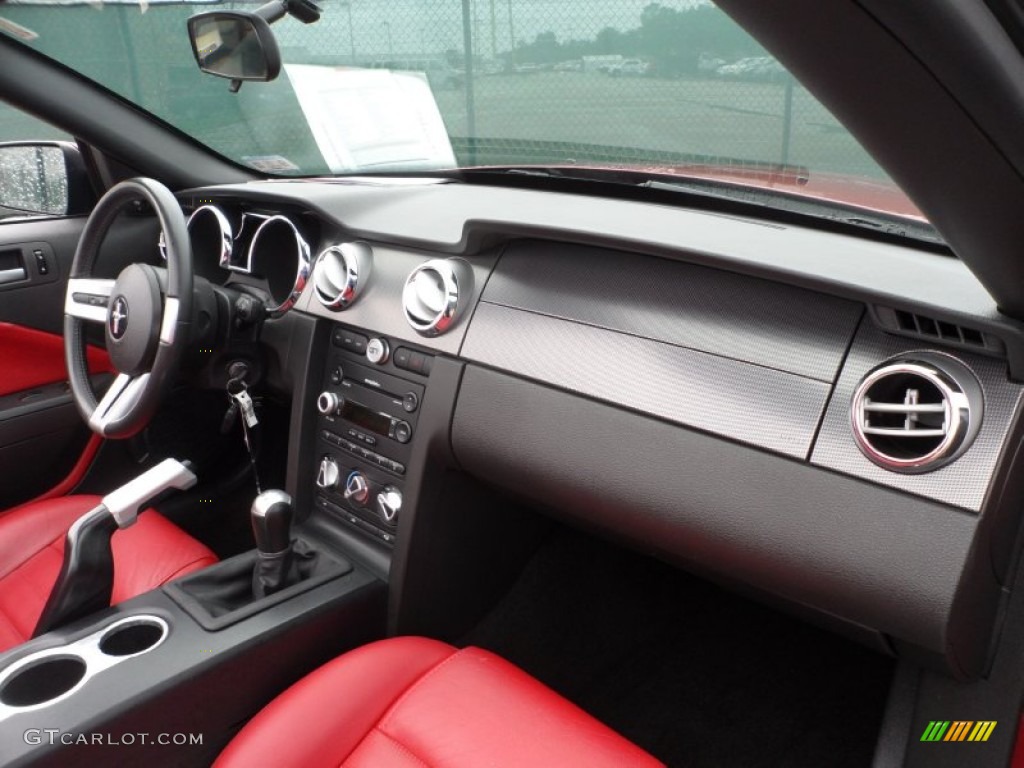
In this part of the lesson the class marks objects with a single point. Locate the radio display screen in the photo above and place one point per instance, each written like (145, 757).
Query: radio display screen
(365, 418)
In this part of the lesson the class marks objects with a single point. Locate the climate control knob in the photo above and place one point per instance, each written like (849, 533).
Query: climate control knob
(329, 403)
(357, 488)
(328, 476)
(389, 504)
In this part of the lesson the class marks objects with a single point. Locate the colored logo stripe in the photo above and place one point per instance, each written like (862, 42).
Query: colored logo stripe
(935, 731)
(982, 730)
(958, 730)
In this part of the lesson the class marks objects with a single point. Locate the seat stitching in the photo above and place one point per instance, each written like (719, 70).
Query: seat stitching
(405, 693)
(408, 691)
(402, 747)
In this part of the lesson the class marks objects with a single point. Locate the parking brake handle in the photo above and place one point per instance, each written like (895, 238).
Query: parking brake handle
(86, 578)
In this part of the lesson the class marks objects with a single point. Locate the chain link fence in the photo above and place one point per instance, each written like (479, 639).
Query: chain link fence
(611, 82)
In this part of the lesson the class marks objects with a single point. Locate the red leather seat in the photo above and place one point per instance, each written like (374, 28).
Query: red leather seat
(146, 555)
(410, 702)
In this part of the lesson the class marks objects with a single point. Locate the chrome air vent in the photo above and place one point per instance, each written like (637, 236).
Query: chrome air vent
(435, 294)
(342, 272)
(916, 414)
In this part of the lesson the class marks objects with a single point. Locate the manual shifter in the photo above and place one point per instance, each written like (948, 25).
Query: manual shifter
(272, 528)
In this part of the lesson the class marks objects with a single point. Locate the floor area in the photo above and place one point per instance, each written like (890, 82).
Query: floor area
(695, 675)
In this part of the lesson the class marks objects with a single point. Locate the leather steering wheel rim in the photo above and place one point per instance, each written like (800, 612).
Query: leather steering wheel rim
(133, 397)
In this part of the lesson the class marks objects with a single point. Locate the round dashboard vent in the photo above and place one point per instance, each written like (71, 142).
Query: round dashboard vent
(435, 293)
(915, 415)
(341, 273)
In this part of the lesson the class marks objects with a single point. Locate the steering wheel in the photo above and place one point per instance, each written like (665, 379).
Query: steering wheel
(146, 313)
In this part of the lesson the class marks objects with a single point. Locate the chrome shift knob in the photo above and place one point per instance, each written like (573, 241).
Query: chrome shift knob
(272, 515)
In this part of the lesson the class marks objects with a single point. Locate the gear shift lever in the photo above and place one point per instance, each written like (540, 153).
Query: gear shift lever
(272, 515)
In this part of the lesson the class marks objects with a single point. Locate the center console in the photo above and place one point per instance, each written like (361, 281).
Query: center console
(368, 407)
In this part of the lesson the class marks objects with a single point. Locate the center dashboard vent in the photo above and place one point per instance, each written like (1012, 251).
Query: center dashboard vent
(916, 414)
(341, 273)
(436, 293)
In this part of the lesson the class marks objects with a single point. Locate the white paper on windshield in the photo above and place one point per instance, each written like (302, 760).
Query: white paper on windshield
(13, 28)
(372, 118)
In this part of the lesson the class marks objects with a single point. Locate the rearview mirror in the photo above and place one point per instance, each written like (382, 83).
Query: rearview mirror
(237, 45)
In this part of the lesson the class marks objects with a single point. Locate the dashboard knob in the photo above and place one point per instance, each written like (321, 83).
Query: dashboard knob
(357, 488)
(327, 477)
(329, 403)
(377, 351)
(389, 504)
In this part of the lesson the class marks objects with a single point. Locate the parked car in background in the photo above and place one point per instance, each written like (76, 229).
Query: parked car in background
(752, 68)
(629, 68)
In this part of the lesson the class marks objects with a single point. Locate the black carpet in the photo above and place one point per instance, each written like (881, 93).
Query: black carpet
(692, 673)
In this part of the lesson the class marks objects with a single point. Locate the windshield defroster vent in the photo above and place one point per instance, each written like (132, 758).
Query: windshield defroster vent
(915, 415)
(934, 329)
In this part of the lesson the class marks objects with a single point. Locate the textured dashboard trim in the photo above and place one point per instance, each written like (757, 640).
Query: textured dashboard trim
(723, 313)
(753, 404)
(862, 552)
(964, 482)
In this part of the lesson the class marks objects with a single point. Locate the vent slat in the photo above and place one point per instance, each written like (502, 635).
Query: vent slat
(903, 408)
(899, 432)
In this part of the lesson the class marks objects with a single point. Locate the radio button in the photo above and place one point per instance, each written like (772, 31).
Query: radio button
(329, 403)
(410, 402)
(402, 355)
(353, 342)
(403, 432)
(377, 351)
(337, 375)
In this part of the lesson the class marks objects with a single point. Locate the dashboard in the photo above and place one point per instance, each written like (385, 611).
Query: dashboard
(826, 421)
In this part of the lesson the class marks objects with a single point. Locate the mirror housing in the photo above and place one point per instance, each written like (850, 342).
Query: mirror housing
(237, 45)
(43, 178)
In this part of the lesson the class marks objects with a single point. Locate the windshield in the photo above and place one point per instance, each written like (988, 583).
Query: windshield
(663, 90)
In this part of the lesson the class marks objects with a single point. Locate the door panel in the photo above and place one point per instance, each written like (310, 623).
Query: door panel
(33, 358)
(42, 434)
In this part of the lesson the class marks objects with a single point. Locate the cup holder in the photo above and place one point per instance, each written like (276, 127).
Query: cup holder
(43, 680)
(47, 676)
(133, 636)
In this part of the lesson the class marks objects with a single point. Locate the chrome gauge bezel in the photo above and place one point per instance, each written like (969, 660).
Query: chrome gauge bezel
(301, 255)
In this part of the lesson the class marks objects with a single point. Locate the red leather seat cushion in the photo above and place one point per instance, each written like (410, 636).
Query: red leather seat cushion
(411, 702)
(146, 555)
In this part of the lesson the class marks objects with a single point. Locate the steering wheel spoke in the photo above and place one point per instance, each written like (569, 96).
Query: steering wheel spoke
(146, 313)
(87, 298)
(118, 401)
